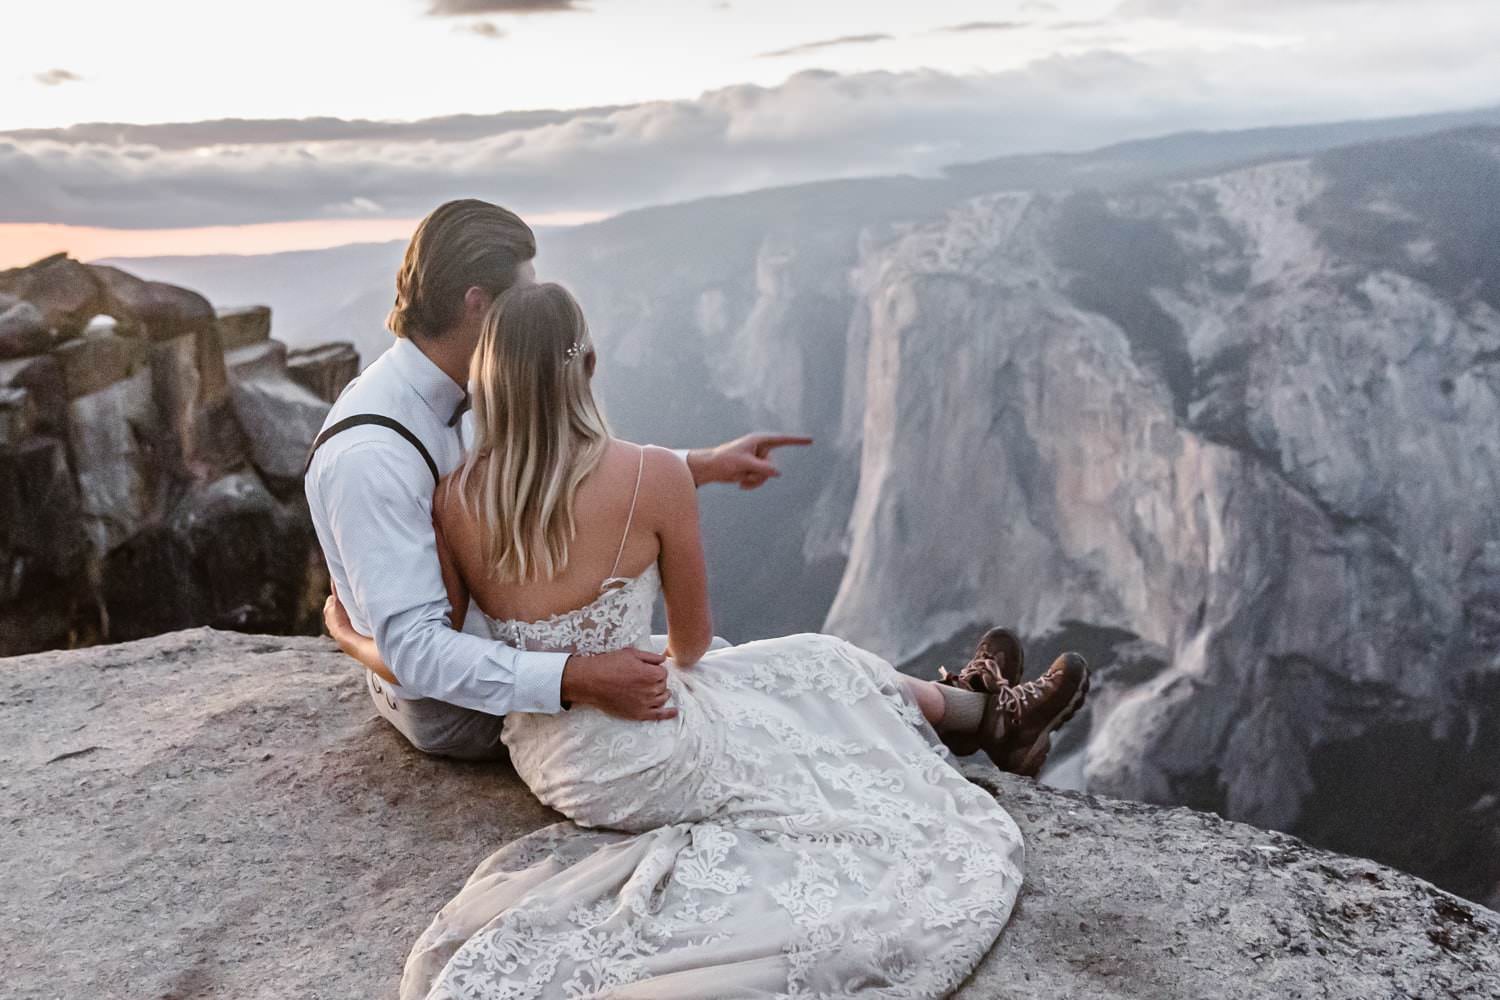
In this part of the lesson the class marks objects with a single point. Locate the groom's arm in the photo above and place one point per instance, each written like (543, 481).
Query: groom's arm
(378, 508)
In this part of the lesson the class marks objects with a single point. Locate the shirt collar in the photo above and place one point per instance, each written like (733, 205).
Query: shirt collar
(441, 394)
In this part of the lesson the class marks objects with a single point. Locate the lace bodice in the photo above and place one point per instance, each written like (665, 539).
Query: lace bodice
(617, 618)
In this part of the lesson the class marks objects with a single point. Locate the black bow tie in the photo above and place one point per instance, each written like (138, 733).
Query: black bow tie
(459, 410)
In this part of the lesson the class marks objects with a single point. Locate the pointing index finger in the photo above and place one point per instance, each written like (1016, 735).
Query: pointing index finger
(765, 442)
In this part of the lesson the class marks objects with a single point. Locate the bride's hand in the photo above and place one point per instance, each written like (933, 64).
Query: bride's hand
(355, 644)
(746, 460)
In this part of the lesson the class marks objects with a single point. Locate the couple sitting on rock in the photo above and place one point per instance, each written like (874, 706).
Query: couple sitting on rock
(779, 818)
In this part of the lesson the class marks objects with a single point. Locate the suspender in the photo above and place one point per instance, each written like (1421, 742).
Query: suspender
(361, 419)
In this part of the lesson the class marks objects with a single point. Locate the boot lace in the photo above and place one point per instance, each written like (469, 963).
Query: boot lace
(979, 674)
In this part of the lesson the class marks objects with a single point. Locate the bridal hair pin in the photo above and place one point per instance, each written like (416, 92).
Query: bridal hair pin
(572, 352)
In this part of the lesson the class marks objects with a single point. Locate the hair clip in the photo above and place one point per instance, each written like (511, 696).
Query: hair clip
(572, 352)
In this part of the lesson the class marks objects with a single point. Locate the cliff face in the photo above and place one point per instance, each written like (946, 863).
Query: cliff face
(150, 450)
(211, 814)
(1236, 437)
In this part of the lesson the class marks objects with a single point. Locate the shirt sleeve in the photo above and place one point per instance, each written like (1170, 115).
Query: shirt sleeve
(378, 511)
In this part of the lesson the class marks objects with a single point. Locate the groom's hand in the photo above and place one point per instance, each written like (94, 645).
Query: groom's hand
(628, 684)
(745, 461)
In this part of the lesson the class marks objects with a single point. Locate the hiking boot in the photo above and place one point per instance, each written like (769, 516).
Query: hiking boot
(1032, 712)
(997, 662)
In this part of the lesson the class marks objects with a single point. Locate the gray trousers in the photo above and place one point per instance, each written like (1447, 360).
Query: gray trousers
(445, 730)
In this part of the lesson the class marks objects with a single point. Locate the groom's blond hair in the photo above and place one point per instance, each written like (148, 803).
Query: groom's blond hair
(463, 244)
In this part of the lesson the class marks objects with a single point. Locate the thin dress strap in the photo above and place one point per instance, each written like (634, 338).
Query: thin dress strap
(629, 520)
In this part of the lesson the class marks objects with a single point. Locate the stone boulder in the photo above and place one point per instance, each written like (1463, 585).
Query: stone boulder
(211, 814)
(324, 370)
(17, 415)
(43, 378)
(191, 383)
(23, 330)
(152, 309)
(43, 545)
(237, 559)
(280, 416)
(244, 326)
(66, 293)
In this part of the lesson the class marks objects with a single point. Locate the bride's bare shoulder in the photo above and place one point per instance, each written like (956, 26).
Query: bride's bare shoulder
(667, 488)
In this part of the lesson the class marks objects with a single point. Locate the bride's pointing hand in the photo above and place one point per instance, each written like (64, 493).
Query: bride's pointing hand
(745, 461)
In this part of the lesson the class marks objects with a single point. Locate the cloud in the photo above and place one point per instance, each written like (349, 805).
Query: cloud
(56, 77)
(984, 26)
(485, 29)
(463, 8)
(1284, 12)
(827, 43)
(813, 126)
(275, 131)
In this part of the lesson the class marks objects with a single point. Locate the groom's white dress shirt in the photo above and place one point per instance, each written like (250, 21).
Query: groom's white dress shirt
(370, 493)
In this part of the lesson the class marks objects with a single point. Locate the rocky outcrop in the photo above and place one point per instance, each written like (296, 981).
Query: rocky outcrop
(235, 803)
(154, 484)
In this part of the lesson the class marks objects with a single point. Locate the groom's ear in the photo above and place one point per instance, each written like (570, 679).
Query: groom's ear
(477, 302)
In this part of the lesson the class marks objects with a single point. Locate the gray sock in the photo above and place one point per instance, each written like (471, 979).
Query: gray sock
(962, 709)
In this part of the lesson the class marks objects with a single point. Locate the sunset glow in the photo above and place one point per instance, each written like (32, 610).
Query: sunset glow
(22, 243)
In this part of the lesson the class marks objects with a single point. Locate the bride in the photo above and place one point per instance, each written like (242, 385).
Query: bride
(790, 826)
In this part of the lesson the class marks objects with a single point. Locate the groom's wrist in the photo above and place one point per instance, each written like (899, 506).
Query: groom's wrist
(562, 687)
(569, 687)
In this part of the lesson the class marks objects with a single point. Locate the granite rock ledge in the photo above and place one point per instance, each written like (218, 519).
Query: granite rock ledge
(212, 814)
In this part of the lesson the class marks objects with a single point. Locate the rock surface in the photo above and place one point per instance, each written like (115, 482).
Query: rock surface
(144, 466)
(207, 814)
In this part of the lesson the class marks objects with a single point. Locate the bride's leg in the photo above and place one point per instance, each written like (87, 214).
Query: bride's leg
(926, 696)
(955, 713)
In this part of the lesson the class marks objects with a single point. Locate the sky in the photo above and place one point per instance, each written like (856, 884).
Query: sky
(178, 126)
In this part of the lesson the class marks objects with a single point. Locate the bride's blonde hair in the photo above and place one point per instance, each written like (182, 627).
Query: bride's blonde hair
(538, 431)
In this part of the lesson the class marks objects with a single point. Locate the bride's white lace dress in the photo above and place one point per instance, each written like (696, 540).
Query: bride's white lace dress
(796, 831)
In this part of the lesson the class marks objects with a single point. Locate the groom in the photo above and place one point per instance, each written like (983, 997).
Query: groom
(393, 433)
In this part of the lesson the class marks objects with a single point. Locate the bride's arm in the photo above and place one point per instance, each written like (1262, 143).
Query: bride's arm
(362, 647)
(684, 576)
(353, 643)
(444, 509)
